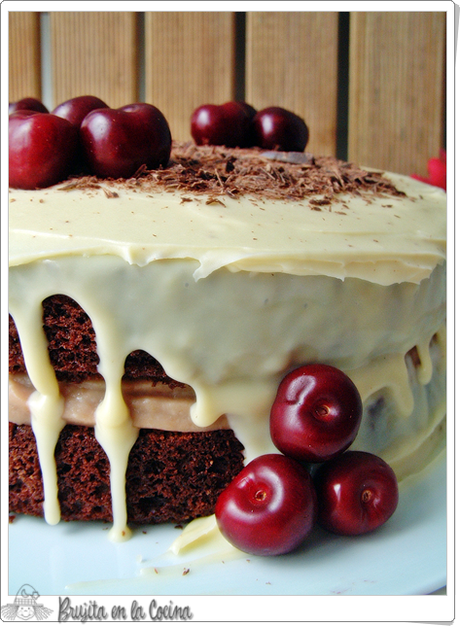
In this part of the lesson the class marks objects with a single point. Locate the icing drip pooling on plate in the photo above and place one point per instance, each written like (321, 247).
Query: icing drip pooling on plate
(243, 290)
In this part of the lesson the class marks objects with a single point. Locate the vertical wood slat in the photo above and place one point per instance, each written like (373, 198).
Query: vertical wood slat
(24, 58)
(189, 61)
(292, 63)
(95, 53)
(396, 107)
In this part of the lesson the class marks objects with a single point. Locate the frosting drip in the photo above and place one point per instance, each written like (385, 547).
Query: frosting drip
(230, 338)
(45, 403)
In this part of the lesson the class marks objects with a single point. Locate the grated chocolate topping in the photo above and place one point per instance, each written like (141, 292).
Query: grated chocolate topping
(219, 171)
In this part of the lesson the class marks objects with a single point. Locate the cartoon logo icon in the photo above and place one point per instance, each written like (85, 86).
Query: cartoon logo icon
(25, 606)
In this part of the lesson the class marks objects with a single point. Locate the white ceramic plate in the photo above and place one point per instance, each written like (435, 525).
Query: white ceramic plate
(404, 557)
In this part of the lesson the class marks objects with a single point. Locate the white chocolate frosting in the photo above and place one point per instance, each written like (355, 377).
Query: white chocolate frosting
(389, 240)
(229, 294)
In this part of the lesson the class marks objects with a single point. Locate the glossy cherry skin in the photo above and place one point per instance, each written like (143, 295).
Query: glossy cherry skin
(269, 508)
(222, 125)
(117, 142)
(27, 104)
(357, 493)
(42, 149)
(275, 128)
(316, 413)
(76, 109)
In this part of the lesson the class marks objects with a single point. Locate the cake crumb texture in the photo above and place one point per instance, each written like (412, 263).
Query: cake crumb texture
(171, 477)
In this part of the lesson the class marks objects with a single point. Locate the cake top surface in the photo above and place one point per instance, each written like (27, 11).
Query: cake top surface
(244, 210)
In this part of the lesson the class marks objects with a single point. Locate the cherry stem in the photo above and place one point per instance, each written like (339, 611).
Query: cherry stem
(322, 411)
(260, 495)
(366, 495)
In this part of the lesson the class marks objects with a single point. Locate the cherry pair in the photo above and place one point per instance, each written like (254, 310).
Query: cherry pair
(238, 124)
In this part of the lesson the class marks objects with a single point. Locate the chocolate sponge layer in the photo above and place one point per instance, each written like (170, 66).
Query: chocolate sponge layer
(171, 477)
(72, 346)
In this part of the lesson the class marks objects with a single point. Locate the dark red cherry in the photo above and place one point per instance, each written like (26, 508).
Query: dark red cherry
(316, 413)
(269, 508)
(42, 149)
(222, 125)
(27, 104)
(275, 128)
(248, 109)
(117, 142)
(357, 493)
(76, 109)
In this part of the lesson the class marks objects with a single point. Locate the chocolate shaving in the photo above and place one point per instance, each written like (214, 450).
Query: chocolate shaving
(320, 201)
(214, 200)
(140, 171)
(218, 171)
(109, 193)
(81, 182)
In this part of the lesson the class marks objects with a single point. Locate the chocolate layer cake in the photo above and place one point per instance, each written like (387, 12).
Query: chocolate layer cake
(171, 476)
(153, 319)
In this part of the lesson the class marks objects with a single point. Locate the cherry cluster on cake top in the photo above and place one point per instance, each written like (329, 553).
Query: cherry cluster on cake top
(85, 136)
(239, 125)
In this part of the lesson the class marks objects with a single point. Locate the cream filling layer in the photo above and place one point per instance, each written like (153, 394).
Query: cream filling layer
(150, 406)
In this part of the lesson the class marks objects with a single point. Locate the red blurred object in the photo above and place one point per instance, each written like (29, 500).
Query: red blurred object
(436, 171)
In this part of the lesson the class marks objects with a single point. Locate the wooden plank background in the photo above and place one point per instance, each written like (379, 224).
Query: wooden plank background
(396, 88)
(292, 62)
(383, 73)
(189, 61)
(94, 53)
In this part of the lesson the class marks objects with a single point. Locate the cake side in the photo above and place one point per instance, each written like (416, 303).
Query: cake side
(238, 365)
(348, 272)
